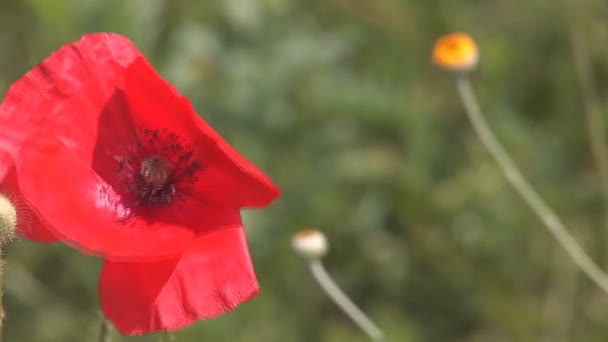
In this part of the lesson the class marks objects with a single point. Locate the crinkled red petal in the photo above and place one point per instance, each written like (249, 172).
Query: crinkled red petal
(65, 92)
(229, 179)
(212, 277)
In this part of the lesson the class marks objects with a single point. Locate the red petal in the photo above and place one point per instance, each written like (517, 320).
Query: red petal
(229, 179)
(66, 92)
(212, 277)
(6, 162)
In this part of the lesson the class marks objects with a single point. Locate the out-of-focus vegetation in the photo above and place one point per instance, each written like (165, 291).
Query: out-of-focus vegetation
(338, 102)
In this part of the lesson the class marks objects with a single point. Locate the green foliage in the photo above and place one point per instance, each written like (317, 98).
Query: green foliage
(338, 102)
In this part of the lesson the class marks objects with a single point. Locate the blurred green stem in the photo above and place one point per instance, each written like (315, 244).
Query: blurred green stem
(593, 115)
(104, 331)
(2, 312)
(552, 222)
(167, 337)
(337, 295)
(558, 310)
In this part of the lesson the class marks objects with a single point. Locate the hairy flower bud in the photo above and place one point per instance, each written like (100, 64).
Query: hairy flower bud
(310, 244)
(8, 219)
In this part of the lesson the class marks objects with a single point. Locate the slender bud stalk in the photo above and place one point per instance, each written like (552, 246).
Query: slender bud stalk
(313, 245)
(104, 331)
(334, 292)
(549, 218)
(167, 337)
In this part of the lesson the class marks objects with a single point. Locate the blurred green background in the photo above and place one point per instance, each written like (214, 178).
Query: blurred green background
(338, 102)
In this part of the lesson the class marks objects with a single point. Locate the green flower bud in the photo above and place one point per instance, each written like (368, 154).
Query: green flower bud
(8, 219)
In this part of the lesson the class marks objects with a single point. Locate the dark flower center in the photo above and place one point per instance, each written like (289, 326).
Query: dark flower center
(155, 171)
(156, 168)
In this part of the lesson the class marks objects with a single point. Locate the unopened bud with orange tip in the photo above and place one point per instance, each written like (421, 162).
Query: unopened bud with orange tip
(456, 52)
(310, 243)
(8, 219)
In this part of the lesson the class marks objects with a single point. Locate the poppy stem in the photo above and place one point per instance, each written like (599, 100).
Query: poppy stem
(104, 331)
(167, 337)
(341, 299)
(550, 219)
(2, 313)
(593, 114)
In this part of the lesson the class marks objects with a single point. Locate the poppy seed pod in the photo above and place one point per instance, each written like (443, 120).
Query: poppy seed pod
(456, 52)
(8, 219)
(311, 244)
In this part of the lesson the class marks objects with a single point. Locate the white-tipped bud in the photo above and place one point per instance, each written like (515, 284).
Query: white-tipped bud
(310, 243)
(8, 219)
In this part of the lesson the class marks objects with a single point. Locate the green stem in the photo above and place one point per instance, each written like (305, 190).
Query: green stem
(167, 337)
(104, 331)
(551, 221)
(341, 299)
(2, 312)
(593, 115)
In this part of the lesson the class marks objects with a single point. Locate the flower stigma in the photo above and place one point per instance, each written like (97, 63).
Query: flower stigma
(155, 170)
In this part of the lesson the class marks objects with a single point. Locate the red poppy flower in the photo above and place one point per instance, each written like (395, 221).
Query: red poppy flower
(116, 163)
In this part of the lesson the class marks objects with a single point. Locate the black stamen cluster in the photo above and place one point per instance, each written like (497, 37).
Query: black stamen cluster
(164, 154)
